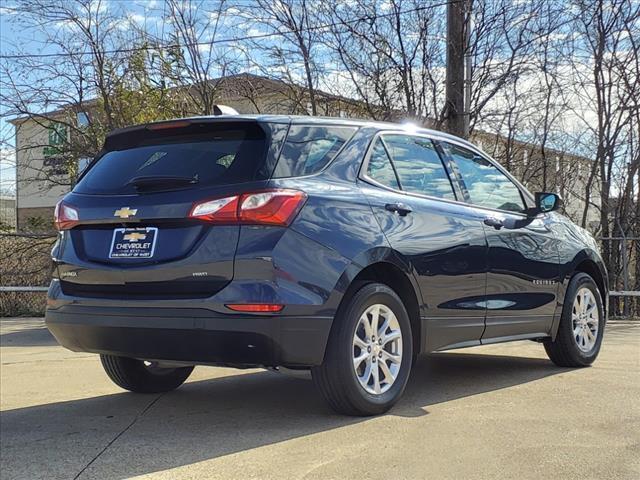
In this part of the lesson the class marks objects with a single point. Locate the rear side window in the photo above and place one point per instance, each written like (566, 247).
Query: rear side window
(308, 149)
(222, 155)
(418, 166)
(380, 168)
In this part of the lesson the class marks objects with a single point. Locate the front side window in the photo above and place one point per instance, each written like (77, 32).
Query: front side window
(418, 166)
(486, 184)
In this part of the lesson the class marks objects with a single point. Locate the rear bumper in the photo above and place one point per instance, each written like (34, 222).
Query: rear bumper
(191, 335)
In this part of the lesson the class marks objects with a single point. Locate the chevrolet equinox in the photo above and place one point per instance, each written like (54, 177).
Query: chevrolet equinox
(342, 247)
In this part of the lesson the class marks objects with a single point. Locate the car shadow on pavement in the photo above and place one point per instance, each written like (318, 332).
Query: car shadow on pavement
(207, 419)
(28, 337)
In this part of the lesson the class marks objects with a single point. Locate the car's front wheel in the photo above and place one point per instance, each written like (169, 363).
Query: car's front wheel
(143, 377)
(581, 328)
(368, 357)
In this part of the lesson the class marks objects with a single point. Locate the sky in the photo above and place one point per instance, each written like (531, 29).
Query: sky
(7, 155)
(149, 14)
(15, 39)
(31, 41)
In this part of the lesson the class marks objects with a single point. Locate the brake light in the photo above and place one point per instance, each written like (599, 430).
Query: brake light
(65, 216)
(269, 207)
(256, 307)
(168, 125)
(276, 207)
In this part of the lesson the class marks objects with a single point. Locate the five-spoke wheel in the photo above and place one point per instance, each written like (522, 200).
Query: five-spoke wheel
(377, 349)
(368, 358)
(581, 327)
(585, 319)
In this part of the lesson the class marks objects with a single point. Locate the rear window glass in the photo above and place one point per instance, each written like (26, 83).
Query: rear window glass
(222, 155)
(380, 168)
(308, 149)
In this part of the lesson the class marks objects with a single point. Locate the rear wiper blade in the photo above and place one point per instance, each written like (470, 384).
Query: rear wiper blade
(162, 181)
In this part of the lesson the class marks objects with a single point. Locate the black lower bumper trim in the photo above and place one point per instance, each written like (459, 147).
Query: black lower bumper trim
(225, 339)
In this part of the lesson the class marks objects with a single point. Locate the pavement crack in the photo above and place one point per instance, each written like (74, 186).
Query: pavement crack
(114, 439)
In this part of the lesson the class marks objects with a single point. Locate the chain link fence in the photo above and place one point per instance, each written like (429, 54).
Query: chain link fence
(621, 254)
(26, 267)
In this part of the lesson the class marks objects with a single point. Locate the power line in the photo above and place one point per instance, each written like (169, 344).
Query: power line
(234, 39)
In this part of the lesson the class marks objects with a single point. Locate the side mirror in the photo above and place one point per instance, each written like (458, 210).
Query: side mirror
(547, 202)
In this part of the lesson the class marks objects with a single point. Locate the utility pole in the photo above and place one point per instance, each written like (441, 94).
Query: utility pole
(455, 88)
(468, 27)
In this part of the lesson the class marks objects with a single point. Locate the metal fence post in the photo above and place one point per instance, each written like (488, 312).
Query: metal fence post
(625, 275)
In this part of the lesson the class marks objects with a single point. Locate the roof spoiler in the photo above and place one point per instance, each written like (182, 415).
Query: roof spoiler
(224, 110)
(130, 136)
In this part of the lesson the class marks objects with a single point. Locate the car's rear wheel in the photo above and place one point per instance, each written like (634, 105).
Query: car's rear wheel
(368, 357)
(581, 328)
(143, 377)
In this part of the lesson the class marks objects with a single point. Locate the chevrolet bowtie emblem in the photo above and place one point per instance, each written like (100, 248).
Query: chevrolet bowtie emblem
(134, 236)
(125, 212)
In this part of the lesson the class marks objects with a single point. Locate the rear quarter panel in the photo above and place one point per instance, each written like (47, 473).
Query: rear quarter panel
(338, 234)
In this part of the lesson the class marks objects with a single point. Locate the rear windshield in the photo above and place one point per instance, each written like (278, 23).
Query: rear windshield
(222, 155)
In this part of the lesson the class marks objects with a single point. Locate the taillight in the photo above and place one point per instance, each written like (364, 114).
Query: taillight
(269, 207)
(220, 210)
(65, 216)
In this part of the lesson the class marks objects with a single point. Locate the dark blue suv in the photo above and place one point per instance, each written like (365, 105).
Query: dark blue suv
(343, 247)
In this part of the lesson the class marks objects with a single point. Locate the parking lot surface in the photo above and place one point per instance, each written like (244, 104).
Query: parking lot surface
(501, 411)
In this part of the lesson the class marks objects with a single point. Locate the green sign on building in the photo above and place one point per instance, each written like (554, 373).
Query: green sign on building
(57, 137)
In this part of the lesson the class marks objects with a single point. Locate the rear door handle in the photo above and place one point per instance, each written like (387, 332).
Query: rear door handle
(494, 222)
(400, 208)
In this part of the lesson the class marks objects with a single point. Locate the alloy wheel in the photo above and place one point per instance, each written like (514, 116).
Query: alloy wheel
(377, 349)
(585, 318)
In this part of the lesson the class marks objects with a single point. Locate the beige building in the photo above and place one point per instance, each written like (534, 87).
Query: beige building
(42, 177)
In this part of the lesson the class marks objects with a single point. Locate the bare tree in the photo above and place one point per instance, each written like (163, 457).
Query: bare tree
(199, 59)
(392, 53)
(608, 87)
(100, 77)
(287, 47)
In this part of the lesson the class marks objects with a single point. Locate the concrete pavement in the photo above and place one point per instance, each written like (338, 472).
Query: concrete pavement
(501, 411)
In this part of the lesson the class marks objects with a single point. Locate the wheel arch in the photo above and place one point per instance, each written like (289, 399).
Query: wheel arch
(589, 262)
(592, 269)
(386, 266)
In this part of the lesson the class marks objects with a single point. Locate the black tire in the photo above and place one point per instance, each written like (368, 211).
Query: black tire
(336, 377)
(134, 375)
(564, 350)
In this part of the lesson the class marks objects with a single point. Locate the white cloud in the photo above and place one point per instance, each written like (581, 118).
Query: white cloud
(7, 11)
